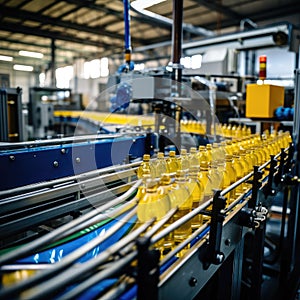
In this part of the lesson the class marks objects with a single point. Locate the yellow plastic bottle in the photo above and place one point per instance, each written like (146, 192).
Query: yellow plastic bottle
(184, 202)
(145, 167)
(193, 157)
(197, 191)
(152, 204)
(239, 190)
(141, 191)
(165, 191)
(209, 153)
(229, 148)
(232, 176)
(159, 165)
(183, 161)
(202, 155)
(171, 162)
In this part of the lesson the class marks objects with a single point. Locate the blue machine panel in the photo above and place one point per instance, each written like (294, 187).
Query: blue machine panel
(32, 165)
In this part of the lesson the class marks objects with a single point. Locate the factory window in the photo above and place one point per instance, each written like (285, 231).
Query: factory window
(96, 68)
(42, 79)
(192, 62)
(139, 67)
(104, 71)
(63, 76)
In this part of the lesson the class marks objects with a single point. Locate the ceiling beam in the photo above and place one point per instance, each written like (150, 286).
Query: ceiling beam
(217, 7)
(264, 15)
(118, 14)
(52, 35)
(26, 15)
(99, 30)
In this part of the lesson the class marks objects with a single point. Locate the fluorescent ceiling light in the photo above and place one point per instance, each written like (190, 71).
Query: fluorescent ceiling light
(31, 54)
(23, 68)
(142, 4)
(6, 58)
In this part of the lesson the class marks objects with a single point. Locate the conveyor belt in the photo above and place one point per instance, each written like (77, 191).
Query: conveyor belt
(115, 262)
(107, 118)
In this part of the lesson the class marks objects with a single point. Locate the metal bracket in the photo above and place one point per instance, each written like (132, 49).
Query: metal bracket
(267, 189)
(148, 270)
(278, 176)
(256, 184)
(215, 256)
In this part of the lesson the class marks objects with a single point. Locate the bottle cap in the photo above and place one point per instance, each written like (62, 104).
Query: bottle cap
(172, 153)
(146, 157)
(160, 155)
(193, 150)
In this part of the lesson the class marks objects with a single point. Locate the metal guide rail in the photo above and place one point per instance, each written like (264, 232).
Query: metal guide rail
(103, 203)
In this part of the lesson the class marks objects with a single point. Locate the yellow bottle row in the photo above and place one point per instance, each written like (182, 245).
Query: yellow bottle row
(188, 180)
(224, 130)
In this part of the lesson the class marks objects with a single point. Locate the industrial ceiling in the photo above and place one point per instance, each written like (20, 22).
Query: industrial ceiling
(95, 28)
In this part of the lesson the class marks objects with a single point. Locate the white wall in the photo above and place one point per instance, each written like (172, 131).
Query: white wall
(20, 79)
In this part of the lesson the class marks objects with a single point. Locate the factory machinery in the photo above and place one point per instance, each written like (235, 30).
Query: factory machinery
(83, 218)
(95, 234)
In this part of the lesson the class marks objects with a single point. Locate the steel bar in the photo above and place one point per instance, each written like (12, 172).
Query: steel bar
(59, 232)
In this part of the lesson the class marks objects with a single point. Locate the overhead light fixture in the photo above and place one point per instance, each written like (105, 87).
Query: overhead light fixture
(142, 4)
(23, 68)
(31, 54)
(6, 58)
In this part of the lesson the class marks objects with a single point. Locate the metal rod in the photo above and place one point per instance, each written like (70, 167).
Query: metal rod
(53, 63)
(116, 291)
(96, 278)
(200, 232)
(127, 37)
(77, 179)
(67, 261)
(160, 223)
(177, 30)
(57, 233)
(179, 222)
(71, 275)
(61, 141)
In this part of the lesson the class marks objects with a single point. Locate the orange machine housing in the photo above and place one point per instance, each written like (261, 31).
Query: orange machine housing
(263, 99)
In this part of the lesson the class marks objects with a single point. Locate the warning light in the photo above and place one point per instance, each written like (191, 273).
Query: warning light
(262, 67)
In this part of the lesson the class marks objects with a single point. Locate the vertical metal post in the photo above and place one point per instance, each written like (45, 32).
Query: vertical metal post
(127, 37)
(296, 127)
(257, 264)
(148, 270)
(237, 271)
(53, 63)
(215, 256)
(176, 66)
(177, 39)
(256, 184)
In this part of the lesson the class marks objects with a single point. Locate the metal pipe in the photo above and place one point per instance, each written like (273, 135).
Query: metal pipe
(127, 36)
(69, 260)
(199, 232)
(57, 233)
(177, 30)
(53, 62)
(71, 275)
(180, 222)
(161, 19)
(96, 278)
(296, 127)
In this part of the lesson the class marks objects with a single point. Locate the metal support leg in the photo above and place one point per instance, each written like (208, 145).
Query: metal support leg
(257, 264)
(148, 271)
(237, 271)
(215, 256)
